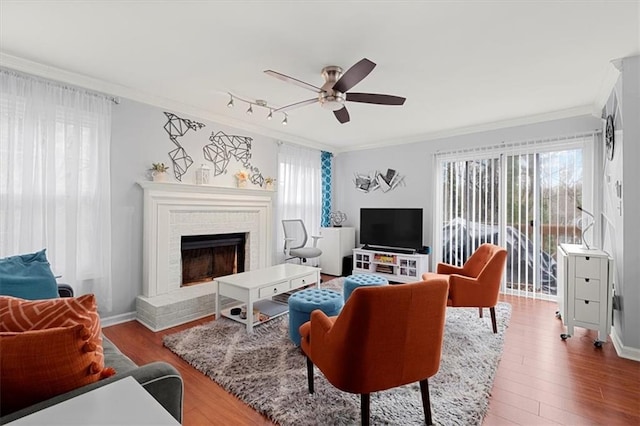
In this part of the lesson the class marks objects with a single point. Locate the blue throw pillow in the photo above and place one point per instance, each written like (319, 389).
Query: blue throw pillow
(28, 276)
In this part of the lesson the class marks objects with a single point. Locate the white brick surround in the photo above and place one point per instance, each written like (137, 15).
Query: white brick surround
(173, 210)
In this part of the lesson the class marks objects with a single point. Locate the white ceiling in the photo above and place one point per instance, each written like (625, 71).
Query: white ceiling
(462, 65)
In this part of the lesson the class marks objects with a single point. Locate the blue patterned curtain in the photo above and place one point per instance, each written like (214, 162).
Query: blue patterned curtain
(326, 160)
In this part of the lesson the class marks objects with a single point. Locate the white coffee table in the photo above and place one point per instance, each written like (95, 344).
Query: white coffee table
(260, 286)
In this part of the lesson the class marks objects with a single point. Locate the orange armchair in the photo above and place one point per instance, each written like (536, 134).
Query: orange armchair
(477, 282)
(384, 337)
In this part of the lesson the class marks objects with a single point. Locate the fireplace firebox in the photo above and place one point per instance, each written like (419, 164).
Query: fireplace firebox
(206, 257)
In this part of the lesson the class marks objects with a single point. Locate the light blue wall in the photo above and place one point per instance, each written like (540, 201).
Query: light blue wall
(415, 162)
(138, 139)
(627, 321)
(621, 232)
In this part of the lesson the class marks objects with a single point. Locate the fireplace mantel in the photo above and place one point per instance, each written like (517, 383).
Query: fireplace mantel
(173, 210)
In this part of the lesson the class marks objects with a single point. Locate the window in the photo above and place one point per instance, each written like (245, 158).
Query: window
(523, 197)
(54, 179)
(299, 190)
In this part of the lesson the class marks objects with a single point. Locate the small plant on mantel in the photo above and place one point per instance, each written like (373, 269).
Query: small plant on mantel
(159, 172)
(268, 182)
(159, 167)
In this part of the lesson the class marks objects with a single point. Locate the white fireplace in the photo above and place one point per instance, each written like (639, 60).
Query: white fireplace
(174, 210)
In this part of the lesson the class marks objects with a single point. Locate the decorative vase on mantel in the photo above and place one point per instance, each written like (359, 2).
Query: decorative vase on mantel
(159, 176)
(242, 183)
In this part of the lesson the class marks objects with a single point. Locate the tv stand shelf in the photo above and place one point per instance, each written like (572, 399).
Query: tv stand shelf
(394, 266)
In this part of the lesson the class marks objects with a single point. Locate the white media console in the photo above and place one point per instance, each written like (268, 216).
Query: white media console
(399, 267)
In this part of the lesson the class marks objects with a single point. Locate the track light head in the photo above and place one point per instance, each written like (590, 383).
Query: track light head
(261, 103)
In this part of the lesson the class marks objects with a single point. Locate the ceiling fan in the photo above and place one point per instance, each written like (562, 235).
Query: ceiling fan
(335, 90)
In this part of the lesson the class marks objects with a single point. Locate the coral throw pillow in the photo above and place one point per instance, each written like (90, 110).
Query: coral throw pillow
(35, 365)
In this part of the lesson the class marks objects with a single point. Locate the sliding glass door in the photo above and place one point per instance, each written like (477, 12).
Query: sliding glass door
(523, 198)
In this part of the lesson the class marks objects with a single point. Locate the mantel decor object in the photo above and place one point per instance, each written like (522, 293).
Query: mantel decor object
(268, 183)
(202, 175)
(159, 172)
(241, 178)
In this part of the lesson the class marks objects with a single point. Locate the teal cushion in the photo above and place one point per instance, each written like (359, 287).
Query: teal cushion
(28, 276)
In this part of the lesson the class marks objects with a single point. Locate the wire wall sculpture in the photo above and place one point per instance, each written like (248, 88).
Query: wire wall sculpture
(376, 180)
(177, 127)
(223, 147)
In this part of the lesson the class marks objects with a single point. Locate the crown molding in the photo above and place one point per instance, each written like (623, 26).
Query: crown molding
(606, 87)
(484, 127)
(117, 90)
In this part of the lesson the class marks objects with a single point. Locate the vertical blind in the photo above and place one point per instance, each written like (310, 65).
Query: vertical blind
(522, 196)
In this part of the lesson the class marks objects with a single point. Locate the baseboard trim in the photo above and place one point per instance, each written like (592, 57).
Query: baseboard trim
(117, 319)
(622, 351)
(184, 321)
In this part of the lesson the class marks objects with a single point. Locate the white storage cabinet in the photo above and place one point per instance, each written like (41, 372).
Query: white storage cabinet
(336, 243)
(585, 278)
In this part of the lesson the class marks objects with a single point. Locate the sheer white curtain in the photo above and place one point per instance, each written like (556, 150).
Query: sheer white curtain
(299, 191)
(54, 179)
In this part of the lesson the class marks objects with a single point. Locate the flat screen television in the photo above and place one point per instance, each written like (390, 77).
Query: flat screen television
(397, 228)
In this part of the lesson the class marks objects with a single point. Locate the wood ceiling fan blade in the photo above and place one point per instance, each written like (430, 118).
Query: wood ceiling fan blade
(342, 115)
(375, 98)
(295, 81)
(354, 75)
(296, 105)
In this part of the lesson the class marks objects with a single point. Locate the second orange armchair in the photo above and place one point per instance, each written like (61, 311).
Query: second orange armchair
(476, 284)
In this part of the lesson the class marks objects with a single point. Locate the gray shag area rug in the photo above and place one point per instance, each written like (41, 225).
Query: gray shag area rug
(266, 371)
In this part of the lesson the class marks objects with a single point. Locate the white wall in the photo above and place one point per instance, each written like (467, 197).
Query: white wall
(623, 212)
(139, 139)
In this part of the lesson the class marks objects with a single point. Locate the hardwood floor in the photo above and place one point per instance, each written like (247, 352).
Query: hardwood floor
(540, 379)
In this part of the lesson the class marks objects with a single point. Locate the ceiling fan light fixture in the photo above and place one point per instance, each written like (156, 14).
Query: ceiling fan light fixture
(336, 89)
(332, 102)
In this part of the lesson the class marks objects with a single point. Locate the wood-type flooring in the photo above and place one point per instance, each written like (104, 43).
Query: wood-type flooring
(540, 379)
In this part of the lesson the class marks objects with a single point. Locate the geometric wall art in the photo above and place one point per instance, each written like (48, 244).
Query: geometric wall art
(223, 147)
(377, 180)
(177, 127)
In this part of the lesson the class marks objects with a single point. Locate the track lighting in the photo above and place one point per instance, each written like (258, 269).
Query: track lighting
(258, 103)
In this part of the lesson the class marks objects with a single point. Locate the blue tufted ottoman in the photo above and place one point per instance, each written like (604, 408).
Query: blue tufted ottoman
(354, 281)
(303, 302)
